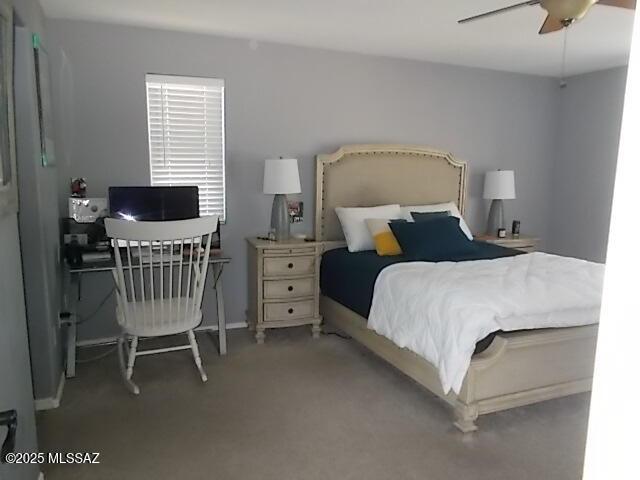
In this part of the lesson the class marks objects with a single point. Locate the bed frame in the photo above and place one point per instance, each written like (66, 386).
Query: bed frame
(518, 368)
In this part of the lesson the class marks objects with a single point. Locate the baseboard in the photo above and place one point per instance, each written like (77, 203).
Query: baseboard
(50, 403)
(230, 326)
(94, 342)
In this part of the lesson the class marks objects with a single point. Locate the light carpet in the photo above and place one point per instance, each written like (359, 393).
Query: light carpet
(295, 408)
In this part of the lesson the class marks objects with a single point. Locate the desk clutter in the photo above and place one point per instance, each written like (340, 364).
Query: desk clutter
(84, 235)
(78, 256)
(85, 242)
(85, 239)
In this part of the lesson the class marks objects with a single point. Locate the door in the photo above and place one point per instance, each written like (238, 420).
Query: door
(16, 395)
(15, 370)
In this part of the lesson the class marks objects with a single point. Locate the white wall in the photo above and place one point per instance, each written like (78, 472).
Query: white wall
(584, 172)
(284, 100)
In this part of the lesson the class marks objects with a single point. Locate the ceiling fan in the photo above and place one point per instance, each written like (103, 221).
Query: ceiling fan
(560, 13)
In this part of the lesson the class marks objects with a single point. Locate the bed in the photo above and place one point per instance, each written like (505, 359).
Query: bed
(510, 369)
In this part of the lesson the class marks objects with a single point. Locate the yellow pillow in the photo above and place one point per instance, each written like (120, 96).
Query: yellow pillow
(383, 238)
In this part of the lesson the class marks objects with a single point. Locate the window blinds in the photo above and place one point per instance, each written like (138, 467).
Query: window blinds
(185, 117)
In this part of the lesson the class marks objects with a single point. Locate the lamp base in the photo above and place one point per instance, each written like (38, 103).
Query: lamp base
(280, 225)
(496, 217)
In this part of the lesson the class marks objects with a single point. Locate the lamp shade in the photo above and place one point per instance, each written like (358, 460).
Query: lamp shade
(281, 176)
(499, 185)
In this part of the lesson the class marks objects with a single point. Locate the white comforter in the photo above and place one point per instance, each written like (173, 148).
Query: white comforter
(441, 310)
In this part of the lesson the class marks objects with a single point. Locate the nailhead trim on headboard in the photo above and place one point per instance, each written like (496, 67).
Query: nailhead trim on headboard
(324, 162)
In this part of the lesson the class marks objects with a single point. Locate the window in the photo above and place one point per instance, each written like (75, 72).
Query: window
(185, 117)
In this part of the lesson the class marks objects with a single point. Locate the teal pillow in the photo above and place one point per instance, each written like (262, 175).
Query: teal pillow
(437, 240)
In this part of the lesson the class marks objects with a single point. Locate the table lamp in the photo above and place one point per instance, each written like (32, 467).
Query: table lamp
(499, 185)
(280, 178)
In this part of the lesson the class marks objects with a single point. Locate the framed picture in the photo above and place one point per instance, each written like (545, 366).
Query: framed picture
(45, 110)
(296, 211)
(8, 178)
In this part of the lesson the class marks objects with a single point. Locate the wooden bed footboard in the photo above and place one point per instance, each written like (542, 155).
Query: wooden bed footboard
(518, 368)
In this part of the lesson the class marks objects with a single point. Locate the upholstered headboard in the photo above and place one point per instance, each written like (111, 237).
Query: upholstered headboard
(370, 175)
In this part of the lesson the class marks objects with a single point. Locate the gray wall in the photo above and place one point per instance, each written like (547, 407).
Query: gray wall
(284, 100)
(584, 172)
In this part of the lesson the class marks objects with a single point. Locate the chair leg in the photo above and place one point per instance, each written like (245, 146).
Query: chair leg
(196, 354)
(132, 387)
(132, 357)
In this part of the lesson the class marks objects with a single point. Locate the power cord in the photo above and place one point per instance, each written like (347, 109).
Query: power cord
(339, 335)
(215, 280)
(86, 318)
(99, 356)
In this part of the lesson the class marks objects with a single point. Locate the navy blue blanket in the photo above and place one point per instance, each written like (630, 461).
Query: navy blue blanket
(349, 278)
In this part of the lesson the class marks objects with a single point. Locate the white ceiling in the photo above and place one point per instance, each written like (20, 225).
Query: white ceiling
(416, 29)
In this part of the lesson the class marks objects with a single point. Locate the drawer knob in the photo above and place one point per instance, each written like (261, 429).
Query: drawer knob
(290, 311)
(290, 265)
(290, 288)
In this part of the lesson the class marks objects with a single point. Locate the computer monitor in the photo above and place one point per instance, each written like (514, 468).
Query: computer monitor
(154, 203)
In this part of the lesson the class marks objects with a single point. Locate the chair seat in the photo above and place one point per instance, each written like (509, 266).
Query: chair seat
(154, 318)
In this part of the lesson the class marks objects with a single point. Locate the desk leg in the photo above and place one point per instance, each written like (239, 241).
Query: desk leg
(222, 325)
(72, 328)
(71, 348)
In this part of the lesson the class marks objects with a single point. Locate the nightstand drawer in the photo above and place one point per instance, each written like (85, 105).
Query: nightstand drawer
(289, 251)
(274, 267)
(288, 310)
(299, 287)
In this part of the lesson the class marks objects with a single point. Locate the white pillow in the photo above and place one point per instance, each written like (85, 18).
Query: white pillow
(355, 228)
(438, 207)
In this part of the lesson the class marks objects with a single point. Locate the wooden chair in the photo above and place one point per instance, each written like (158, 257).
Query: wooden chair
(161, 269)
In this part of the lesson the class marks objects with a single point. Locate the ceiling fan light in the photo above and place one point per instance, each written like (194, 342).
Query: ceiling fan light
(567, 9)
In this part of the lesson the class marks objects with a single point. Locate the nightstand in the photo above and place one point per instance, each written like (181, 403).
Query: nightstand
(284, 285)
(522, 242)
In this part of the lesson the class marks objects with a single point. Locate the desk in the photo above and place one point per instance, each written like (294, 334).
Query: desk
(74, 276)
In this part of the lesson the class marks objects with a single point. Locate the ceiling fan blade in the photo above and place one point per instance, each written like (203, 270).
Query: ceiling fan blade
(551, 25)
(630, 4)
(499, 10)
